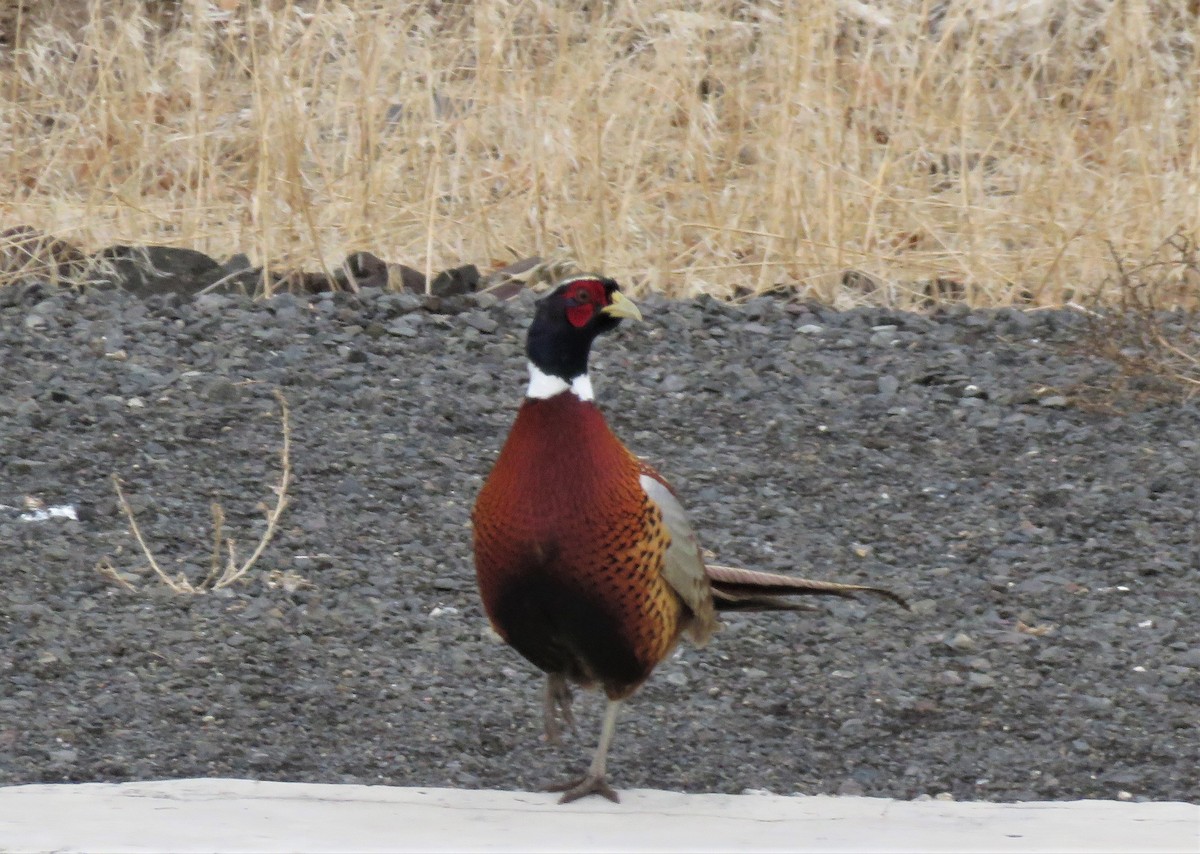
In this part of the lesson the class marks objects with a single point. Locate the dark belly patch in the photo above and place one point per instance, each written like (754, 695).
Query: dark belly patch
(564, 630)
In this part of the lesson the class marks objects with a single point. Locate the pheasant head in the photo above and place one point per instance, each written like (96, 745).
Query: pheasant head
(566, 322)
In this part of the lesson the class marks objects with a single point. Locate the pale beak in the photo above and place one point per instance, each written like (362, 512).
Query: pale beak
(621, 306)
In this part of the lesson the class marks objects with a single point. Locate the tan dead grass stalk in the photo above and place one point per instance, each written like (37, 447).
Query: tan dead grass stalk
(225, 567)
(1154, 347)
(881, 151)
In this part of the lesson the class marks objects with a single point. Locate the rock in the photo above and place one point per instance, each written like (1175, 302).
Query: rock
(212, 303)
(365, 270)
(674, 383)
(303, 282)
(239, 277)
(402, 327)
(153, 270)
(410, 279)
(455, 282)
(508, 281)
(962, 642)
(1191, 658)
(482, 322)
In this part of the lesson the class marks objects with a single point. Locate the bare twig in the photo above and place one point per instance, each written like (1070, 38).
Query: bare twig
(1156, 351)
(1168, 346)
(232, 571)
(214, 562)
(218, 576)
(180, 585)
(109, 571)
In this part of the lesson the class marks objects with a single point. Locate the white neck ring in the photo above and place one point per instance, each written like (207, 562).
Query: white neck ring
(543, 385)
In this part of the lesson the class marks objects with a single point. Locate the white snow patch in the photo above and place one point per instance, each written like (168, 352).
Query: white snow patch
(41, 513)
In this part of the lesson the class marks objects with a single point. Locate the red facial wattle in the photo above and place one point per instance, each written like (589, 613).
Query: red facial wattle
(581, 314)
(583, 298)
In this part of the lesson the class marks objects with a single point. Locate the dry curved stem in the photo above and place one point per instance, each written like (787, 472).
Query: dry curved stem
(179, 585)
(218, 576)
(214, 563)
(1178, 374)
(232, 571)
(105, 568)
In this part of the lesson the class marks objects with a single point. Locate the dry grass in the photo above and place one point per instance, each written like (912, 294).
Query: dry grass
(225, 567)
(1155, 353)
(858, 150)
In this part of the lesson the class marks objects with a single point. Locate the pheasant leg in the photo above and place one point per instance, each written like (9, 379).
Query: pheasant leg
(555, 705)
(593, 782)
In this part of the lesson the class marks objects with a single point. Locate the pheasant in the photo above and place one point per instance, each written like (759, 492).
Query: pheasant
(585, 560)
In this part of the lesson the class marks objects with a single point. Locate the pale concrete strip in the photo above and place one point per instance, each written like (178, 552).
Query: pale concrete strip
(241, 815)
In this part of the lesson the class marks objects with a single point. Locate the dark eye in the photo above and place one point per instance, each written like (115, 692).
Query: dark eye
(583, 296)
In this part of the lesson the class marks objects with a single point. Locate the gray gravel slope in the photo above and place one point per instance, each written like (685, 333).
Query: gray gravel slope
(1050, 549)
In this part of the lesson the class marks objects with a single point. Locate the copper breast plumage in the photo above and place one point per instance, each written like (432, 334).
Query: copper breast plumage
(569, 550)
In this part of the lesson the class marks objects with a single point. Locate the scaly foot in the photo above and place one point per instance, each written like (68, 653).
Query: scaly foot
(588, 784)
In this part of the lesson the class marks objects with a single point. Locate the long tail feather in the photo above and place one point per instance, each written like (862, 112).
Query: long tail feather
(737, 589)
(725, 601)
